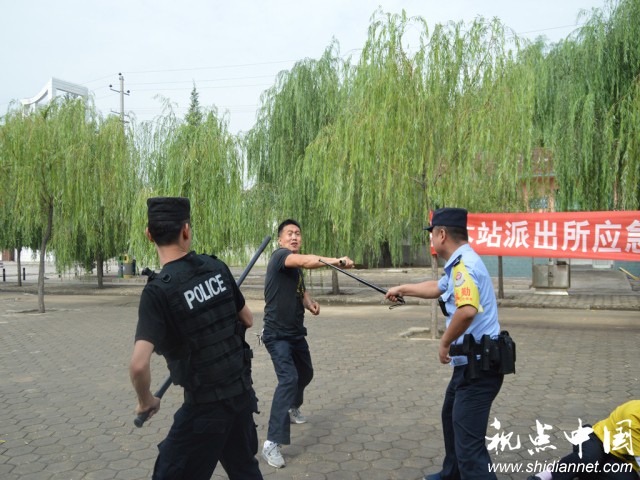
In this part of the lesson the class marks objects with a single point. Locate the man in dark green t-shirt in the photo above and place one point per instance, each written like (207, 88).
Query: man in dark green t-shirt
(284, 333)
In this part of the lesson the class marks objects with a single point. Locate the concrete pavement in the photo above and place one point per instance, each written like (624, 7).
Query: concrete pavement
(66, 405)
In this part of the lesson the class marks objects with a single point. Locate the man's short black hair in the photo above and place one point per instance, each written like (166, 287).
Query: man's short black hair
(166, 217)
(288, 221)
(166, 232)
(457, 234)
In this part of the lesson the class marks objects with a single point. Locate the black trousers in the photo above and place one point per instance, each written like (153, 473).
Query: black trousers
(203, 435)
(465, 417)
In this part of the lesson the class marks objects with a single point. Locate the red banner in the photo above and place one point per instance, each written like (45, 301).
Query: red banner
(590, 235)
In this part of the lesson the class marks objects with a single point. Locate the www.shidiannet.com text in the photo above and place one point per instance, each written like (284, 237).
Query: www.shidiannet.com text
(557, 467)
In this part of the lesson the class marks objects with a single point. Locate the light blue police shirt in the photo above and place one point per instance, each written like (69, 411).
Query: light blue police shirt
(486, 320)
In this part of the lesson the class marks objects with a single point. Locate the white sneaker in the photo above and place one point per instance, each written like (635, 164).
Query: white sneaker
(271, 453)
(295, 416)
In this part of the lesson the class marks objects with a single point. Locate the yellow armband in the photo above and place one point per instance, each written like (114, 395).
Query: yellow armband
(464, 288)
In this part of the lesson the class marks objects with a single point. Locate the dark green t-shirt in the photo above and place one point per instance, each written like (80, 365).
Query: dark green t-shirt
(283, 292)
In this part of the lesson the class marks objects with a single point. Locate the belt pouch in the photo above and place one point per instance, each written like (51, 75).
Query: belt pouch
(468, 348)
(507, 348)
(485, 353)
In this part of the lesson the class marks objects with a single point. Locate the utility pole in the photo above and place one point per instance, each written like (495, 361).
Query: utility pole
(122, 94)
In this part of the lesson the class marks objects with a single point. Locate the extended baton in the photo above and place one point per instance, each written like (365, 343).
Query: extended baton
(140, 419)
(400, 300)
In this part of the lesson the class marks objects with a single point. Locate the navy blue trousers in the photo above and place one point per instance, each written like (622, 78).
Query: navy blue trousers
(465, 417)
(203, 435)
(292, 362)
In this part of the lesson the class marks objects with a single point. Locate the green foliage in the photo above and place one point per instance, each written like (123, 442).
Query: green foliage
(63, 158)
(94, 219)
(293, 112)
(410, 132)
(358, 151)
(202, 162)
(587, 113)
(13, 221)
(194, 115)
(468, 118)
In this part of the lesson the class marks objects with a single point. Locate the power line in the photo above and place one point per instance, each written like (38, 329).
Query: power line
(276, 62)
(254, 64)
(168, 89)
(551, 28)
(215, 67)
(198, 82)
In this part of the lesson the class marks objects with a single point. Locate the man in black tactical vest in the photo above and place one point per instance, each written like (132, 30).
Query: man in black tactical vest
(193, 313)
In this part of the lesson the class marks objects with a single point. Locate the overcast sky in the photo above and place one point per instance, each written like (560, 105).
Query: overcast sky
(231, 49)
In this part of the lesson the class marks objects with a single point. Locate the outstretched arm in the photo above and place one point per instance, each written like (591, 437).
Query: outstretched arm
(297, 260)
(428, 289)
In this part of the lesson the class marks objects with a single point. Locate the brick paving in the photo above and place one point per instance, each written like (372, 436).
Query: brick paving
(66, 404)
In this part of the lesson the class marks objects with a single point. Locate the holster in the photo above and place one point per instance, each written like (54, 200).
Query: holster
(469, 349)
(443, 307)
(507, 349)
(498, 355)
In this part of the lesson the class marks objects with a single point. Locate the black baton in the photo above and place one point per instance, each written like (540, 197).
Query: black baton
(400, 300)
(140, 419)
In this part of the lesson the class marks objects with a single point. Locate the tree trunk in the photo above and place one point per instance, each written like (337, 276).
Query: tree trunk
(386, 255)
(19, 264)
(434, 303)
(335, 287)
(43, 254)
(100, 270)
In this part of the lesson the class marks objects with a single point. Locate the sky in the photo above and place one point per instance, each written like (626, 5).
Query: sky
(231, 50)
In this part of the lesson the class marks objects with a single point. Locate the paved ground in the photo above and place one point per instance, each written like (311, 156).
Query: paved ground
(66, 403)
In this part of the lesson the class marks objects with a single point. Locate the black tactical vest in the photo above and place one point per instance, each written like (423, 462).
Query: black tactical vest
(211, 363)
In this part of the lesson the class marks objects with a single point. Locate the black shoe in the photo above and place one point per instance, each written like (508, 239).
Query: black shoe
(434, 476)
(533, 477)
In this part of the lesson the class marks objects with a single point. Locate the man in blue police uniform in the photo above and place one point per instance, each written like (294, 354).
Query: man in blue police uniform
(286, 299)
(193, 314)
(466, 294)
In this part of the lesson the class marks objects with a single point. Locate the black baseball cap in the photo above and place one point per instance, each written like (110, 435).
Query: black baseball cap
(177, 209)
(448, 217)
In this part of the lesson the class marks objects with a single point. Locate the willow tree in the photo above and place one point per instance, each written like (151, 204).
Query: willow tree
(36, 164)
(15, 233)
(39, 159)
(587, 115)
(201, 161)
(94, 213)
(302, 102)
(448, 125)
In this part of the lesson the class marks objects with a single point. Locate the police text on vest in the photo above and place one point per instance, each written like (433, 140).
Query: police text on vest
(205, 291)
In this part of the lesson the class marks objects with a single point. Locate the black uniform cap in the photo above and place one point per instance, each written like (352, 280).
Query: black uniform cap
(448, 217)
(172, 209)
